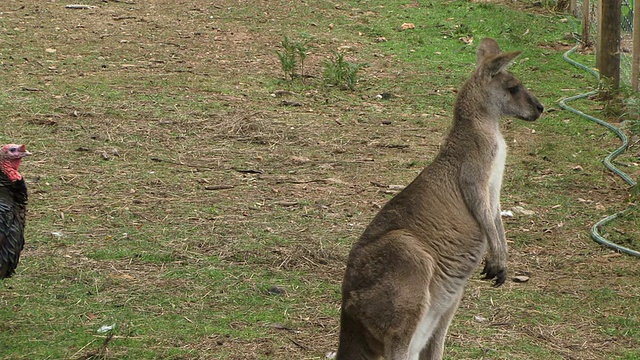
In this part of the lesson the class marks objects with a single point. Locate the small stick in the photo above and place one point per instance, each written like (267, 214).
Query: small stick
(80, 6)
(298, 344)
(219, 187)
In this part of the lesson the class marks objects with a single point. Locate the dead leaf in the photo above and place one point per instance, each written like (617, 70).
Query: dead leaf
(520, 279)
(347, 48)
(120, 276)
(467, 39)
(480, 318)
(299, 160)
(522, 211)
(407, 26)
(277, 290)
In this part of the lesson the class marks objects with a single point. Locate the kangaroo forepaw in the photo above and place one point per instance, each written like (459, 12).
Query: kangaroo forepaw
(498, 273)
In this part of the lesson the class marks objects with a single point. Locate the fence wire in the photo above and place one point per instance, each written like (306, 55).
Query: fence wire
(626, 34)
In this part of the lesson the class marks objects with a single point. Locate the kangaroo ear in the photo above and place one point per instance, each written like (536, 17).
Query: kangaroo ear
(498, 63)
(488, 48)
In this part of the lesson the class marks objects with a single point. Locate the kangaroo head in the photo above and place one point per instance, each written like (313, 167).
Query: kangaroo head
(504, 94)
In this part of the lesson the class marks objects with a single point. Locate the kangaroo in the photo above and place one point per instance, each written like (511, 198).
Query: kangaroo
(406, 273)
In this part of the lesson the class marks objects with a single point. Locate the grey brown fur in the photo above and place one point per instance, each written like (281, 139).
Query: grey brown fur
(406, 274)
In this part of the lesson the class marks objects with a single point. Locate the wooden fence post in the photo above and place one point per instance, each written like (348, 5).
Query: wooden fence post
(608, 52)
(585, 24)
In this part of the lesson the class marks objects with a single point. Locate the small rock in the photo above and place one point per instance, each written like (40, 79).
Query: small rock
(520, 279)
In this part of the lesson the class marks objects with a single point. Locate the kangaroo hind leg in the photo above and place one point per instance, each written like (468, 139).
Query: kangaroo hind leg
(386, 294)
(435, 345)
(356, 342)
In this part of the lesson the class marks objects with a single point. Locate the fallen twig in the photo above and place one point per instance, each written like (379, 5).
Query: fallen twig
(298, 344)
(219, 187)
(80, 6)
(157, 159)
(248, 171)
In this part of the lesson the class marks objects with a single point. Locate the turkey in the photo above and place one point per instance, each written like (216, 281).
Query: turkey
(13, 203)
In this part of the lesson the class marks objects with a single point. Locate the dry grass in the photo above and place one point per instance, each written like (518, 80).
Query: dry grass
(170, 190)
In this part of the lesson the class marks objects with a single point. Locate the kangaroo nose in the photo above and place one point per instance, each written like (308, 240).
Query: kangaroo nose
(540, 107)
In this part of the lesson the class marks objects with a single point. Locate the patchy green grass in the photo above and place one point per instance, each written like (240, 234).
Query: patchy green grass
(186, 192)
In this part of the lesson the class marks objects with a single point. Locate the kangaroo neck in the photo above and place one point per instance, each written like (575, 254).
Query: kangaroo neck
(475, 125)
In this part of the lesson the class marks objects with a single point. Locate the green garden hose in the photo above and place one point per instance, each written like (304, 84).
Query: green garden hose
(595, 234)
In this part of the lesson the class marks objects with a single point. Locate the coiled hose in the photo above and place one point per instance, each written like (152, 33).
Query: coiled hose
(595, 234)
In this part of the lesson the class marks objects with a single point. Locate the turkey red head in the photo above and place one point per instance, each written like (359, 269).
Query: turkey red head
(10, 157)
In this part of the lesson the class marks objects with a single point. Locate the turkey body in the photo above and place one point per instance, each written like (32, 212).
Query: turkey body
(13, 203)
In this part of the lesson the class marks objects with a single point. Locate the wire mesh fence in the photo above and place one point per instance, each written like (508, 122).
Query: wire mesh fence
(626, 33)
(626, 42)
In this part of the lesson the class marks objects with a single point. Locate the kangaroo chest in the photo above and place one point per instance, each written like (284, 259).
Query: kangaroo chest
(497, 170)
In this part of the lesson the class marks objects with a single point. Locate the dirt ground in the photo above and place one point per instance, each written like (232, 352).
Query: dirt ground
(169, 117)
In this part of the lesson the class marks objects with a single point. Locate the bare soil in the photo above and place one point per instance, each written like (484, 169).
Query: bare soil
(167, 117)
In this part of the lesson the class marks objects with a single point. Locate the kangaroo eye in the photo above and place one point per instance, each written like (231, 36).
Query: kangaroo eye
(514, 89)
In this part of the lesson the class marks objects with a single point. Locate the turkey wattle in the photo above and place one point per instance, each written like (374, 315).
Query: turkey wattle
(13, 204)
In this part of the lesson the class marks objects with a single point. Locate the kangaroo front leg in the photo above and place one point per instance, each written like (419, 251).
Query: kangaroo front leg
(478, 195)
(492, 268)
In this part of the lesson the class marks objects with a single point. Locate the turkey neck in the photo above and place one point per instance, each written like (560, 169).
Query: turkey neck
(10, 168)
